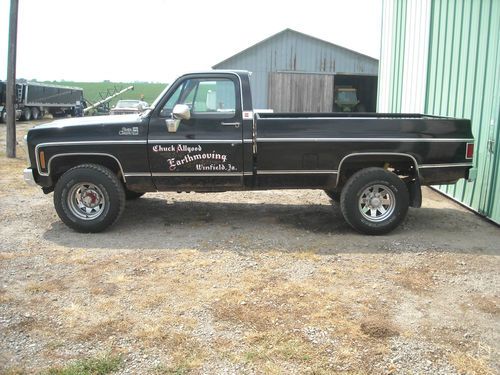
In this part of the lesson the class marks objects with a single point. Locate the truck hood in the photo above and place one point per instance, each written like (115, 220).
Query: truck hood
(92, 120)
(125, 109)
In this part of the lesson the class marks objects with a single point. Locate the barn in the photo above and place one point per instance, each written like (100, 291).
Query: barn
(296, 72)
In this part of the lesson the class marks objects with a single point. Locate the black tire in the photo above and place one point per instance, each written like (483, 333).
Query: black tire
(333, 195)
(35, 113)
(98, 184)
(131, 195)
(3, 117)
(26, 114)
(357, 199)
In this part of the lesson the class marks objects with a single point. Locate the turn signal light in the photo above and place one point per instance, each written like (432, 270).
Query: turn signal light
(42, 159)
(469, 151)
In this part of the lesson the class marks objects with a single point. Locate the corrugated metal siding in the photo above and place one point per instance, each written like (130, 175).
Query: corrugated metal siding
(415, 56)
(293, 51)
(495, 183)
(463, 82)
(403, 67)
(385, 83)
(462, 79)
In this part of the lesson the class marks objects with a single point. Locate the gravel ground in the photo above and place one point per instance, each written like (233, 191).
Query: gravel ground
(246, 282)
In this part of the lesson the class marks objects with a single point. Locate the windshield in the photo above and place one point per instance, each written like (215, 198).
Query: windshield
(159, 97)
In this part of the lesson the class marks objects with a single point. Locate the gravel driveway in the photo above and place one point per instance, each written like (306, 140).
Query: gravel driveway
(246, 282)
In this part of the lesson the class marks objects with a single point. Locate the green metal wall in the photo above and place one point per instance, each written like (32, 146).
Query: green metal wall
(462, 79)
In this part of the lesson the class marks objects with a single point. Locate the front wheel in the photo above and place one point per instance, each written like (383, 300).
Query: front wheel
(374, 201)
(89, 198)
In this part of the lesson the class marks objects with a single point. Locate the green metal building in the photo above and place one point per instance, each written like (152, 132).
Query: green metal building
(442, 57)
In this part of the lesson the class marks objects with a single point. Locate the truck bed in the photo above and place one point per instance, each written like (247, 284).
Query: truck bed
(317, 144)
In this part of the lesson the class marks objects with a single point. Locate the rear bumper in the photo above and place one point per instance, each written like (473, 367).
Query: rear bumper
(29, 178)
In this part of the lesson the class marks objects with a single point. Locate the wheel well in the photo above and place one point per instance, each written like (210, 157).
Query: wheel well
(59, 164)
(405, 166)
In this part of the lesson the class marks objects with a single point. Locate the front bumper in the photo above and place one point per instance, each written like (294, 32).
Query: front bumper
(29, 178)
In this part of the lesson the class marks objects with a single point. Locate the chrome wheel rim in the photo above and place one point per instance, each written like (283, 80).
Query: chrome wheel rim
(86, 201)
(377, 203)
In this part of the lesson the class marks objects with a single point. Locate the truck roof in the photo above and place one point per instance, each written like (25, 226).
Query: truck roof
(232, 71)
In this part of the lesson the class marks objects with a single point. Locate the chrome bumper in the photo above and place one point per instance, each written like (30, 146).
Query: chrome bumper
(28, 177)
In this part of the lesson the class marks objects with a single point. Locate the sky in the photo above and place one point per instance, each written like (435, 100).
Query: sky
(157, 40)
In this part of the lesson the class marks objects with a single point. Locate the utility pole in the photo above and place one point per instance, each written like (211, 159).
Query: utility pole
(11, 81)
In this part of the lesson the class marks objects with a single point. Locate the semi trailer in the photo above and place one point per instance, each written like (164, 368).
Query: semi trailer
(34, 100)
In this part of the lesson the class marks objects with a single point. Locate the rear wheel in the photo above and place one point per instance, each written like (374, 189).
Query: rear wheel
(89, 198)
(374, 201)
(26, 114)
(35, 113)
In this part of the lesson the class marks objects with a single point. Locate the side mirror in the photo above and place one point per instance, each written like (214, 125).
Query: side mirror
(181, 112)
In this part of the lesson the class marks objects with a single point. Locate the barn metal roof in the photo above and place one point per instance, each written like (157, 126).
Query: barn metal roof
(288, 30)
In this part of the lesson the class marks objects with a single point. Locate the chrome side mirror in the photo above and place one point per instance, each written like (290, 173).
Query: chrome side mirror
(181, 112)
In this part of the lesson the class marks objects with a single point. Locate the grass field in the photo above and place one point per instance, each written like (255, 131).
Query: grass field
(91, 90)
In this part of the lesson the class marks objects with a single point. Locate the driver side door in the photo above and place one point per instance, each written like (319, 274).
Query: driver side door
(205, 151)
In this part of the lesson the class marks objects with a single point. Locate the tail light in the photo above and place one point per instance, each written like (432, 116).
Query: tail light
(469, 151)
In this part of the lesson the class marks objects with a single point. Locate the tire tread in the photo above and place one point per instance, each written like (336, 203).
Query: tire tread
(356, 179)
(117, 184)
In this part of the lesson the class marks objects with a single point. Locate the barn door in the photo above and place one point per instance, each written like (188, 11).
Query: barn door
(298, 92)
(489, 203)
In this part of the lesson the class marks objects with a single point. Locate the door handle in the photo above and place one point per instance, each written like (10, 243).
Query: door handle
(235, 124)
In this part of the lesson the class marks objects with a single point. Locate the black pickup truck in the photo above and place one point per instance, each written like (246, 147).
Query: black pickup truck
(203, 135)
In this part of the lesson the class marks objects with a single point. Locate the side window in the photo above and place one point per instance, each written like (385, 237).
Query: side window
(171, 102)
(184, 94)
(212, 98)
(216, 96)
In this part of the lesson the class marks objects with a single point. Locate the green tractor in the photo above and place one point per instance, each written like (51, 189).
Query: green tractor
(346, 100)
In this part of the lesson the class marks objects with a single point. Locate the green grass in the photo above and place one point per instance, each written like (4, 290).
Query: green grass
(90, 366)
(91, 90)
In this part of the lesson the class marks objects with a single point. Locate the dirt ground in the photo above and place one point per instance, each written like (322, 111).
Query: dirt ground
(253, 282)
